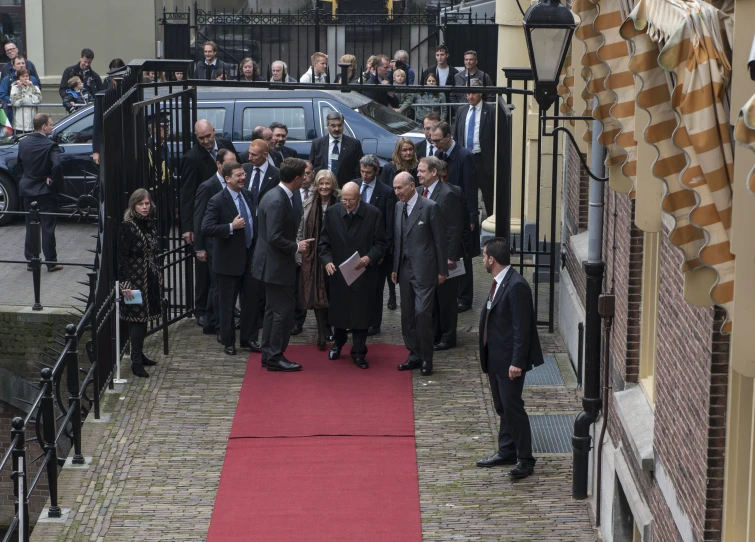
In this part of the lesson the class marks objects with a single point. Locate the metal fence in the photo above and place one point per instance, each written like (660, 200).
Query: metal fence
(293, 36)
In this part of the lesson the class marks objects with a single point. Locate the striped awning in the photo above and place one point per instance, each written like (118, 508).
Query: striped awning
(672, 59)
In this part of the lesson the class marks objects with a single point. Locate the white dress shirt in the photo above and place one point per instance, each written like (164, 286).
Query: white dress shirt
(221, 179)
(430, 149)
(263, 172)
(288, 193)
(499, 279)
(430, 189)
(411, 203)
(478, 114)
(367, 190)
(303, 195)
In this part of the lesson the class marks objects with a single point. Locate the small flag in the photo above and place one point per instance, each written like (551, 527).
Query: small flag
(5, 123)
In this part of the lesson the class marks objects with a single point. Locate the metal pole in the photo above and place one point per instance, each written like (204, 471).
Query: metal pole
(36, 249)
(18, 455)
(554, 198)
(47, 411)
(116, 294)
(74, 399)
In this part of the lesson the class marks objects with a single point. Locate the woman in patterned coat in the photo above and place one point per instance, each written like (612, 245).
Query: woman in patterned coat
(138, 270)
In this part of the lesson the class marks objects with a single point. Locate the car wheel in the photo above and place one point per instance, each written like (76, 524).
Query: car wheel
(8, 198)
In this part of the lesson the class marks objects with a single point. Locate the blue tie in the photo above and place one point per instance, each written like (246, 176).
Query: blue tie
(334, 163)
(247, 222)
(470, 131)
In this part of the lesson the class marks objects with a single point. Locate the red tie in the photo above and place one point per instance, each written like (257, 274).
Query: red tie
(425, 193)
(487, 312)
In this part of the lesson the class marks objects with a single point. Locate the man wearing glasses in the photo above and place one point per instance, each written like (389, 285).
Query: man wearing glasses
(11, 51)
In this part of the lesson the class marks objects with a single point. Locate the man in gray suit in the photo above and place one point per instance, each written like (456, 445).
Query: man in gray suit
(420, 263)
(274, 262)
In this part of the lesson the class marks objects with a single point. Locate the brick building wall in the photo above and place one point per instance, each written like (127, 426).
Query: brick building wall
(576, 210)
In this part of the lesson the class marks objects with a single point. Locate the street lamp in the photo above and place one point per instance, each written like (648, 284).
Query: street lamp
(548, 28)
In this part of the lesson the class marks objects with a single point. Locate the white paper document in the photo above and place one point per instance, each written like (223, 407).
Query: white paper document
(349, 270)
(459, 271)
(137, 300)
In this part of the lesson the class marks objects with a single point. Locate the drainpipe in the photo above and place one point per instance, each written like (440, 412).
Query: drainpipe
(594, 267)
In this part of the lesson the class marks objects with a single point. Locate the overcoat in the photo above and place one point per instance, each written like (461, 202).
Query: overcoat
(338, 241)
(138, 268)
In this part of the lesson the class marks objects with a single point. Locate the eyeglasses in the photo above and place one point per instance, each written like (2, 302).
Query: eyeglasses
(9, 49)
(349, 200)
(436, 141)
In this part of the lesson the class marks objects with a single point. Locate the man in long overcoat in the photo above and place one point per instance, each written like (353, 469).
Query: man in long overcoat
(347, 227)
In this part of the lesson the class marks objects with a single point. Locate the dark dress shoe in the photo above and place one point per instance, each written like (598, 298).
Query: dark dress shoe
(409, 365)
(335, 352)
(443, 346)
(521, 470)
(230, 350)
(373, 331)
(206, 331)
(392, 304)
(200, 321)
(296, 330)
(236, 313)
(361, 363)
(54, 268)
(427, 368)
(148, 362)
(496, 460)
(138, 370)
(283, 365)
(253, 346)
(29, 268)
(463, 307)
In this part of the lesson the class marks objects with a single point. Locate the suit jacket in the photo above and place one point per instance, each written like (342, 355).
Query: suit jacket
(471, 243)
(512, 328)
(379, 96)
(285, 152)
(275, 255)
(461, 172)
(39, 159)
(423, 241)
(421, 149)
(451, 211)
(205, 191)
(199, 70)
(384, 198)
(450, 81)
(390, 171)
(348, 161)
(487, 133)
(196, 166)
(338, 241)
(229, 253)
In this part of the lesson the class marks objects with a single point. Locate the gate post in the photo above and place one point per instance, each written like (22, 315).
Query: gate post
(47, 413)
(74, 400)
(18, 456)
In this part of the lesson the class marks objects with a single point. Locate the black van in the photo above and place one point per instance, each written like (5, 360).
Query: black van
(234, 113)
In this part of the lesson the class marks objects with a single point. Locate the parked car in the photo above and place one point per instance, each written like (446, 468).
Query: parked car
(235, 113)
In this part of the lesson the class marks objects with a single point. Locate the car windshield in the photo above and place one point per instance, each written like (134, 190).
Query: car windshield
(389, 119)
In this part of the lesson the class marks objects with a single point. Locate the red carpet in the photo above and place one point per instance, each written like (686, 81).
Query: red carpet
(326, 454)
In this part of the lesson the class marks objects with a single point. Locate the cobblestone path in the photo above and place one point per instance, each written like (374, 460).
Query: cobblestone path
(157, 454)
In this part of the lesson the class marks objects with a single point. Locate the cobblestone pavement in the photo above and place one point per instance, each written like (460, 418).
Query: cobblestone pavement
(74, 240)
(158, 454)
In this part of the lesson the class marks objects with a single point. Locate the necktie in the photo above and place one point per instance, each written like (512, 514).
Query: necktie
(406, 213)
(431, 152)
(470, 130)
(440, 154)
(425, 192)
(256, 186)
(214, 153)
(247, 222)
(366, 192)
(306, 193)
(334, 163)
(487, 312)
(350, 218)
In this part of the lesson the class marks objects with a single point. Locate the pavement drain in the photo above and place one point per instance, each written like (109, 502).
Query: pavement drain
(552, 434)
(545, 375)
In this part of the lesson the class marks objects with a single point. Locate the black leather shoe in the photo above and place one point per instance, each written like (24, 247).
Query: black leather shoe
(392, 304)
(373, 331)
(253, 346)
(200, 321)
(335, 351)
(496, 460)
(361, 363)
(409, 365)
(427, 368)
(230, 350)
(521, 471)
(236, 313)
(463, 307)
(138, 370)
(283, 366)
(443, 346)
(148, 362)
(206, 331)
(296, 329)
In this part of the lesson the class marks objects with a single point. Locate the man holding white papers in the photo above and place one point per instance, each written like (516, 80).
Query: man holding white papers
(348, 227)
(445, 311)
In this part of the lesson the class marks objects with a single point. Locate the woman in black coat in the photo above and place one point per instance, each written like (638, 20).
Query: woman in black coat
(138, 270)
(404, 159)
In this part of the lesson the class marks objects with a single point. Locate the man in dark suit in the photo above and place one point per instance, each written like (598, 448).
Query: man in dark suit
(274, 263)
(461, 172)
(211, 67)
(300, 196)
(203, 245)
(229, 221)
(336, 152)
(380, 195)
(261, 177)
(39, 159)
(445, 315)
(420, 263)
(380, 75)
(280, 152)
(509, 347)
(475, 130)
(347, 227)
(198, 165)
(426, 147)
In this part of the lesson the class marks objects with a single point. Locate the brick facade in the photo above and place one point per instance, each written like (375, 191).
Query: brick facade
(576, 207)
